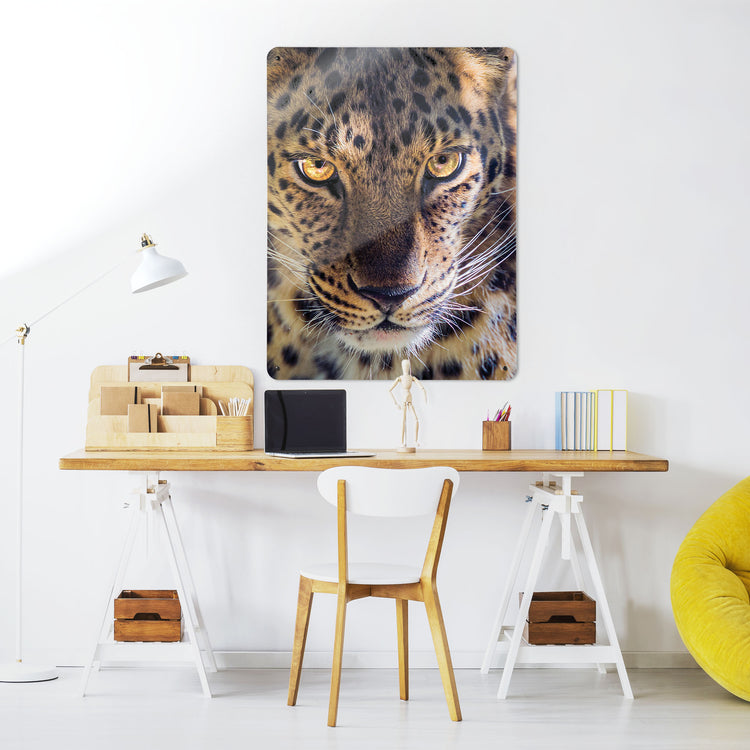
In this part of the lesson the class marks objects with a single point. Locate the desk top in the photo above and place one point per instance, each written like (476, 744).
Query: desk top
(462, 460)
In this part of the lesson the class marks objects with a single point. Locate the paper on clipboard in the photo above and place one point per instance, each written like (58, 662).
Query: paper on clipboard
(159, 368)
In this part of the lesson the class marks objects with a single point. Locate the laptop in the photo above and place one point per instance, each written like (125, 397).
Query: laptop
(307, 424)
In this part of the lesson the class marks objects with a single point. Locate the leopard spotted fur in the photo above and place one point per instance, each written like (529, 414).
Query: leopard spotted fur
(378, 248)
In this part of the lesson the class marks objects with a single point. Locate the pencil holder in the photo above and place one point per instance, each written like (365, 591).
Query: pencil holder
(495, 436)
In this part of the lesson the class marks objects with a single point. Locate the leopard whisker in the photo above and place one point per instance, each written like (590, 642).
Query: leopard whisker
(322, 112)
(451, 304)
(453, 308)
(468, 245)
(290, 299)
(505, 206)
(470, 257)
(286, 244)
(291, 263)
(293, 279)
(479, 271)
(295, 267)
(351, 353)
(436, 343)
(415, 354)
(297, 277)
(490, 257)
(320, 323)
(477, 277)
(330, 109)
(502, 192)
(354, 354)
(479, 274)
(315, 104)
(449, 321)
(506, 233)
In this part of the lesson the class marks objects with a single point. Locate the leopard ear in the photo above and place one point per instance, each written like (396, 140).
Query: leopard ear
(501, 60)
(500, 66)
(283, 62)
(504, 57)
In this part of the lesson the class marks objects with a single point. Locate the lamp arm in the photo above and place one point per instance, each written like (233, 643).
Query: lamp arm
(28, 326)
(81, 290)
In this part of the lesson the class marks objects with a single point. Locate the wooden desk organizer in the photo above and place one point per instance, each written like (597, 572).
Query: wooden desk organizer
(208, 431)
(495, 436)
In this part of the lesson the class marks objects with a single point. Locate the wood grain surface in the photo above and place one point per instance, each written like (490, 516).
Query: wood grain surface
(462, 460)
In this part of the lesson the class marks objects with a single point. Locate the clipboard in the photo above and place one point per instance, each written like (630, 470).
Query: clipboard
(159, 368)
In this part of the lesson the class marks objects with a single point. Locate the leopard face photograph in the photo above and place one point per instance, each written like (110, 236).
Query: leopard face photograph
(391, 213)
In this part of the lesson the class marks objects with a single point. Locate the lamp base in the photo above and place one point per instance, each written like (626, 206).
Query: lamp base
(17, 671)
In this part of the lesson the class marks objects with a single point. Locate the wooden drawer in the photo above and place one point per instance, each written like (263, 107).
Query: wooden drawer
(577, 605)
(559, 633)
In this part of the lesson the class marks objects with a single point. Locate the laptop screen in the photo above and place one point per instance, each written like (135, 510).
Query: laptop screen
(305, 421)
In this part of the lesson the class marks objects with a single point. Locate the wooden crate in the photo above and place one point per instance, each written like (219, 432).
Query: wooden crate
(152, 615)
(560, 618)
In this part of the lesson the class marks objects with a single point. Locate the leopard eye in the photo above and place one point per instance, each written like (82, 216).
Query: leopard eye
(444, 166)
(315, 171)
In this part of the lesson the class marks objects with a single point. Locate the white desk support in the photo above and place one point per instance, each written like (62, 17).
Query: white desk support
(551, 500)
(153, 501)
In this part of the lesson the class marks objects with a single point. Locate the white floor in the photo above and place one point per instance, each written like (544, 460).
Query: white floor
(557, 708)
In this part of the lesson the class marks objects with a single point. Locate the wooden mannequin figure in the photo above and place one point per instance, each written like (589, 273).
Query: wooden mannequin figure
(405, 381)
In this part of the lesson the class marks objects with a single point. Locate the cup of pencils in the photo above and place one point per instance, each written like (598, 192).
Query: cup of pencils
(496, 430)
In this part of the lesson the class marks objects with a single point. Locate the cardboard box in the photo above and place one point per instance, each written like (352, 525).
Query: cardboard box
(142, 418)
(180, 403)
(115, 398)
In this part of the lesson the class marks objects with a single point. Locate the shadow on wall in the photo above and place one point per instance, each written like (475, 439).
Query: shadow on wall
(245, 535)
(644, 518)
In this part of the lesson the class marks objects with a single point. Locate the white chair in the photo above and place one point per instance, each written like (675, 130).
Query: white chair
(394, 493)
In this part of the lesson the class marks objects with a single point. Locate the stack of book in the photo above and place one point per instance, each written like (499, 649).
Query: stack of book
(591, 420)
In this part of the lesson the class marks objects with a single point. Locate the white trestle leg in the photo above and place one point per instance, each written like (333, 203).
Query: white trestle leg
(550, 500)
(153, 506)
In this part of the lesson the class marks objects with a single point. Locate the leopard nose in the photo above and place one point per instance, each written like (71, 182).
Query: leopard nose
(387, 298)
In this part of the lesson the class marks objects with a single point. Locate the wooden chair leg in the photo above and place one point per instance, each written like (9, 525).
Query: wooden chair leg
(304, 603)
(440, 640)
(402, 627)
(338, 654)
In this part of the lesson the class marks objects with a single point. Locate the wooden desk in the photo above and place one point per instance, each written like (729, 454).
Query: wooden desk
(461, 460)
(547, 500)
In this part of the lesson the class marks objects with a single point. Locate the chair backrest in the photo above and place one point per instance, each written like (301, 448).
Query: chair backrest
(392, 493)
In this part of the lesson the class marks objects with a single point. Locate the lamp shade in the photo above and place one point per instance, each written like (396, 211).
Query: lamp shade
(155, 270)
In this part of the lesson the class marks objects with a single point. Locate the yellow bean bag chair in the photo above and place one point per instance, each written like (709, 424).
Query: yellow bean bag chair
(710, 585)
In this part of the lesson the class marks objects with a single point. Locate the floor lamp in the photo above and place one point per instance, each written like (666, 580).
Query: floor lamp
(155, 270)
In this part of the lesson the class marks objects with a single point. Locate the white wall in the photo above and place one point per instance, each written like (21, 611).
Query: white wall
(149, 116)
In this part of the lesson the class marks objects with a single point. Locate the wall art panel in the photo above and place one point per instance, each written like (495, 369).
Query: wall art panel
(391, 212)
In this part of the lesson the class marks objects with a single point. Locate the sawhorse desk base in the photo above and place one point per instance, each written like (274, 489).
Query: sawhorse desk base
(154, 500)
(551, 500)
